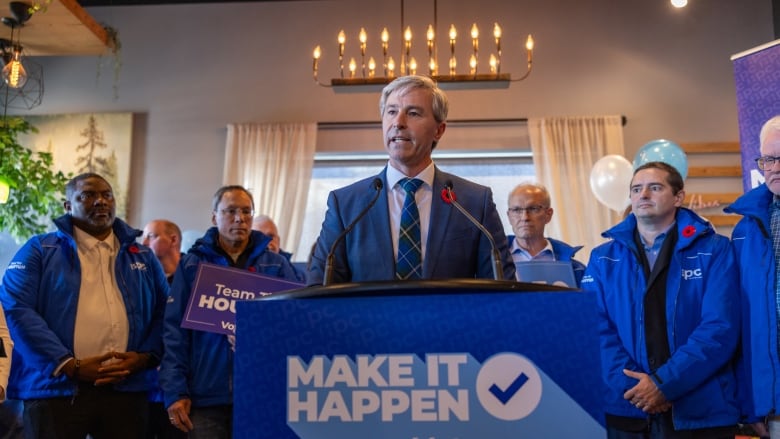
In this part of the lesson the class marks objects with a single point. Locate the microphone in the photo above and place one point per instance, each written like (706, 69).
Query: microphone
(377, 185)
(449, 197)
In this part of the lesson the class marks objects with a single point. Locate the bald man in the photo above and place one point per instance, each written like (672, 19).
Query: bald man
(529, 212)
(164, 238)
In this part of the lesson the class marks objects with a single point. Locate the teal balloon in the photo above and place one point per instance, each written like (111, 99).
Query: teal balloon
(662, 150)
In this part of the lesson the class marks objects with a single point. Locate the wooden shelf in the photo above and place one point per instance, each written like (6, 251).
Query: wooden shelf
(715, 171)
(710, 147)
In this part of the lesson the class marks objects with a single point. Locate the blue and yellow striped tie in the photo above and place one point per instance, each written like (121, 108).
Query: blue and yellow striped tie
(409, 261)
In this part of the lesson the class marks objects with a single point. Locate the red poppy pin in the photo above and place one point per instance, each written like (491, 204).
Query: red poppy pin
(445, 195)
(133, 249)
(252, 269)
(688, 231)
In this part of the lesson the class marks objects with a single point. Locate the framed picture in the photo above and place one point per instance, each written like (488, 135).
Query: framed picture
(88, 142)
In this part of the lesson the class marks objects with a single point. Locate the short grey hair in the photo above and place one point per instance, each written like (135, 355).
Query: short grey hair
(405, 83)
(224, 189)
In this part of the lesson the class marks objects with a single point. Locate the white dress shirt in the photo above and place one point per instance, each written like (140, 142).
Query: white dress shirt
(395, 203)
(101, 316)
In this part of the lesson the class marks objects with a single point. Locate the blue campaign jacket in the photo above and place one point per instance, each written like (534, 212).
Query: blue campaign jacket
(199, 365)
(702, 314)
(40, 294)
(759, 366)
(563, 252)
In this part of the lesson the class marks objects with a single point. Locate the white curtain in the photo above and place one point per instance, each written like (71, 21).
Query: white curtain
(564, 151)
(274, 162)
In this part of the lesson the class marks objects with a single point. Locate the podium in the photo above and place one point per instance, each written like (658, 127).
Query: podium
(425, 359)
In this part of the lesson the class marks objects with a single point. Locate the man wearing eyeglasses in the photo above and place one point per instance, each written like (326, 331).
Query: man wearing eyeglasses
(85, 308)
(197, 369)
(756, 239)
(529, 212)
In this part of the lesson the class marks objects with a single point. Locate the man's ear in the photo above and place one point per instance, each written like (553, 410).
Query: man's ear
(680, 198)
(66, 204)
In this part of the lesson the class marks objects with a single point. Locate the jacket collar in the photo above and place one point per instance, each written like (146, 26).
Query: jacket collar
(689, 227)
(754, 203)
(124, 233)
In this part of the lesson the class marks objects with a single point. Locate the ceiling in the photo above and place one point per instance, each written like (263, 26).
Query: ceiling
(63, 28)
(87, 3)
(66, 28)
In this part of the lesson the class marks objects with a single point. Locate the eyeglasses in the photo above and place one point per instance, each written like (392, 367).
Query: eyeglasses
(767, 162)
(233, 211)
(532, 210)
(91, 196)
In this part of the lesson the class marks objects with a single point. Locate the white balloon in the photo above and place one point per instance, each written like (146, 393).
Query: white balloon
(610, 178)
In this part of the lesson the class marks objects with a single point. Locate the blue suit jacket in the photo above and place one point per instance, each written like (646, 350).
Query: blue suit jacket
(455, 248)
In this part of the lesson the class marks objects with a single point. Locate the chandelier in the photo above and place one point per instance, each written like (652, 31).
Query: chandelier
(486, 72)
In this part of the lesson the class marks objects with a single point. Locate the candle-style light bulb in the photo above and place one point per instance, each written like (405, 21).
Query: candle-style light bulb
(371, 67)
(529, 46)
(430, 36)
(453, 65)
(352, 67)
(412, 66)
(493, 64)
(453, 35)
(473, 64)
(342, 38)
(390, 67)
(316, 55)
(475, 40)
(496, 31)
(385, 37)
(362, 37)
(497, 36)
(408, 45)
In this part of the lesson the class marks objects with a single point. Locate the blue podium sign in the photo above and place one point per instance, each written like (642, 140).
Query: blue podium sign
(470, 363)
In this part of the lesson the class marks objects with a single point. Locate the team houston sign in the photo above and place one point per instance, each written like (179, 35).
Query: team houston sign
(212, 305)
(427, 367)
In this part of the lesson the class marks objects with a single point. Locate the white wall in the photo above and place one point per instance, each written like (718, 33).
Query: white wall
(191, 69)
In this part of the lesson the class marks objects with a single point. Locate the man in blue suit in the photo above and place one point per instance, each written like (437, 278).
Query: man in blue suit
(414, 112)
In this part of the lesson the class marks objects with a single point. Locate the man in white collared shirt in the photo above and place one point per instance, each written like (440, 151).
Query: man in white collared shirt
(529, 212)
(86, 304)
(438, 241)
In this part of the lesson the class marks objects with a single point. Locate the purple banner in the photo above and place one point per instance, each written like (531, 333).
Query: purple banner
(212, 306)
(757, 77)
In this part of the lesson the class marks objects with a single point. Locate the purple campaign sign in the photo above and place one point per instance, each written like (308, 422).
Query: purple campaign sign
(212, 306)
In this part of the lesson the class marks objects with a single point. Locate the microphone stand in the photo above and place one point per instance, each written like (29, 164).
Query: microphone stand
(328, 276)
(495, 257)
